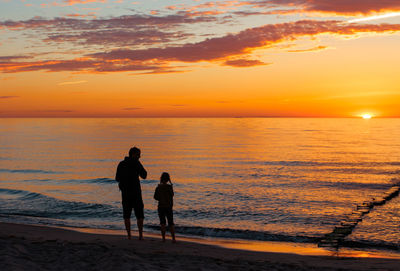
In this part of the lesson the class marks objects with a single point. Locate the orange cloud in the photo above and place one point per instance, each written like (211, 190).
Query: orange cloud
(8, 97)
(74, 2)
(318, 48)
(132, 108)
(346, 7)
(74, 15)
(158, 60)
(244, 63)
(72, 83)
(243, 42)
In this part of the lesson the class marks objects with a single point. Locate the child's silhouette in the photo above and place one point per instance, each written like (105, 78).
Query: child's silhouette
(164, 195)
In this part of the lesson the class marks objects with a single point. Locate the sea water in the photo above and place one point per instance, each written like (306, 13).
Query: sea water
(271, 179)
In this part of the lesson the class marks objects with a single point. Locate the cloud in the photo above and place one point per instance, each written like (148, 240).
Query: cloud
(74, 2)
(75, 15)
(360, 95)
(7, 78)
(121, 22)
(377, 17)
(118, 37)
(159, 60)
(314, 49)
(208, 8)
(8, 97)
(129, 30)
(12, 58)
(346, 7)
(282, 7)
(55, 111)
(50, 65)
(132, 108)
(163, 71)
(72, 83)
(244, 63)
(242, 42)
(78, 65)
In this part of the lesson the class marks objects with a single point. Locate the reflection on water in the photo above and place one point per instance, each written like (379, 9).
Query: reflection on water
(260, 179)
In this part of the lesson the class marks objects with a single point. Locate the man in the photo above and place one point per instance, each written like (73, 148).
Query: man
(127, 176)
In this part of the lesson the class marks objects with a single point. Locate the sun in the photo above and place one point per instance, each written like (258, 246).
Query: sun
(366, 116)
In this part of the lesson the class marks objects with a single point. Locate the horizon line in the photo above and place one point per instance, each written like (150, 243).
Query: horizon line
(188, 117)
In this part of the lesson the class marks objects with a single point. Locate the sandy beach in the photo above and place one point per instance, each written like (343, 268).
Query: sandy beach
(27, 247)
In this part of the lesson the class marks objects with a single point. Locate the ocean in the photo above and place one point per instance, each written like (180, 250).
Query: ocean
(266, 179)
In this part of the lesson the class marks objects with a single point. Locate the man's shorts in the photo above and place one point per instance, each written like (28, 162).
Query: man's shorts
(135, 203)
(166, 212)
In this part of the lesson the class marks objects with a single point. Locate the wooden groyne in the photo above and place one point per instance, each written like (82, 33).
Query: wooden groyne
(346, 226)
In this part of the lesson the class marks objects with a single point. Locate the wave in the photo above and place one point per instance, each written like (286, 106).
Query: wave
(239, 234)
(377, 245)
(25, 203)
(28, 206)
(320, 164)
(351, 185)
(75, 181)
(96, 181)
(285, 168)
(28, 171)
(227, 233)
(102, 180)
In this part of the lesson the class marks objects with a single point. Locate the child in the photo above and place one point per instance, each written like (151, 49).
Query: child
(164, 194)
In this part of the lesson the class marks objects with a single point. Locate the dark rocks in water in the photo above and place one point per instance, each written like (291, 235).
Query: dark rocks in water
(337, 236)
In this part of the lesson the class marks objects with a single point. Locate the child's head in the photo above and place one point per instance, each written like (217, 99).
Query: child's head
(164, 178)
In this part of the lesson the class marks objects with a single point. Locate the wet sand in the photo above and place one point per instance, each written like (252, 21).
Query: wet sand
(27, 247)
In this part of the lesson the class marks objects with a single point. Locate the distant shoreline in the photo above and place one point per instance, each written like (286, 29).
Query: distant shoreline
(48, 248)
(192, 117)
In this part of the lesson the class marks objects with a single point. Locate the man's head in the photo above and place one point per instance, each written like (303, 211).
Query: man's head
(134, 153)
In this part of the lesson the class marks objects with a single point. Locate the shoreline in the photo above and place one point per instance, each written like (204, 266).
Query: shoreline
(303, 249)
(47, 248)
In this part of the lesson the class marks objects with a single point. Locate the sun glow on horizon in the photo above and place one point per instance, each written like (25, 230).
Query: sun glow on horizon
(366, 116)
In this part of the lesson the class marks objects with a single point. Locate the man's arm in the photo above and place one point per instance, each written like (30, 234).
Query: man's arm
(142, 171)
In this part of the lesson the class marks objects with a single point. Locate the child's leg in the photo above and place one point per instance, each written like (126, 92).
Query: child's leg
(170, 218)
(163, 232)
(161, 215)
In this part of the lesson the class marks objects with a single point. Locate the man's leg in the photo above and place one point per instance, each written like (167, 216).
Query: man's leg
(162, 226)
(127, 210)
(140, 228)
(172, 230)
(128, 226)
(139, 213)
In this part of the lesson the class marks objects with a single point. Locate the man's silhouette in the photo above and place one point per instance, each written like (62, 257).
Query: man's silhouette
(127, 176)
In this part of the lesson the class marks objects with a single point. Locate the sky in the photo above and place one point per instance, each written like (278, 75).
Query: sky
(194, 58)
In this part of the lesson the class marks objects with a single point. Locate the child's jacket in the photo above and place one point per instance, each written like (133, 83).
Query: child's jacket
(164, 194)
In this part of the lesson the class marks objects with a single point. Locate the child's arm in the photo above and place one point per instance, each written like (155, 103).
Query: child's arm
(156, 194)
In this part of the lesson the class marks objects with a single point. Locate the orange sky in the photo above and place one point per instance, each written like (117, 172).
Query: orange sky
(309, 62)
